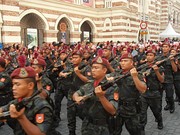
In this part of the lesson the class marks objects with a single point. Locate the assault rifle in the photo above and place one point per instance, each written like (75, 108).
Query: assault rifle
(20, 105)
(108, 84)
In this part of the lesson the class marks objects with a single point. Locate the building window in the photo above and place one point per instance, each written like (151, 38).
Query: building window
(108, 3)
(78, 2)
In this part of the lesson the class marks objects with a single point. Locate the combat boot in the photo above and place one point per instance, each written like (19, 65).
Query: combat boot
(1, 124)
(172, 106)
(72, 133)
(167, 106)
(160, 125)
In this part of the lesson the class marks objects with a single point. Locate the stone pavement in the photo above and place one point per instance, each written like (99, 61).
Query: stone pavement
(171, 123)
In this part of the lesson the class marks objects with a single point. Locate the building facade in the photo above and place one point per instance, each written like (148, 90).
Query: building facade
(33, 21)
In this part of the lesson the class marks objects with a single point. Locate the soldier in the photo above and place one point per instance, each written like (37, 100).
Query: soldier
(152, 97)
(36, 117)
(5, 86)
(100, 106)
(79, 78)
(9, 67)
(177, 76)
(107, 53)
(169, 67)
(63, 83)
(42, 80)
(130, 88)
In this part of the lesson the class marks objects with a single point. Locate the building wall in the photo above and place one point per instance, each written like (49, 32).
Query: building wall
(110, 20)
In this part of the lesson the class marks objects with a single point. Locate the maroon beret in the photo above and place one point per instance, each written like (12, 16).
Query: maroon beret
(151, 51)
(126, 56)
(100, 60)
(23, 72)
(38, 61)
(77, 53)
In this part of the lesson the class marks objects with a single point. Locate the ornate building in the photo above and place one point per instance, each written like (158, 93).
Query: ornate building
(33, 21)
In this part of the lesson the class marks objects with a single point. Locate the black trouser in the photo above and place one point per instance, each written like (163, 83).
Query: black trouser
(169, 89)
(155, 105)
(90, 128)
(72, 112)
(131, 123)
(60, 93)
(177, 88)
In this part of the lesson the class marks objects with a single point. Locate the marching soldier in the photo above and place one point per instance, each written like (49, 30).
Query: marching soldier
(79, 78)
(5, 86)
(42, 81)
(63, 83)
(152, 97)
(130, 89)
(169, 67)
(99, 107)
(36, 117)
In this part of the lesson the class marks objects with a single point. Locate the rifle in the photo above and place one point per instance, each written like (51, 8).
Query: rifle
(20, 105)
(108, 84)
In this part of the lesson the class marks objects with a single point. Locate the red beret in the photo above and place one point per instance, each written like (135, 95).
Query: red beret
(64, 51)
(151, 51)
(99, 60)
(39, 61)
(108, 47)
(126, 56)
(23, 72)
(77, 53)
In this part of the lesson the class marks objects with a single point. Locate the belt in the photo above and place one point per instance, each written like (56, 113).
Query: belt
(99, 122)
(127, 103)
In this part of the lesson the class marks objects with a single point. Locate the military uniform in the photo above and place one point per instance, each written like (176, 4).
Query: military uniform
(152, 98)
(63, 86)
(5, 89)
(168, 84)
(96, 117)
(9, 68)
(177, 84)
(74, 111)
(128, 111)
(38, 111)
(47, 85)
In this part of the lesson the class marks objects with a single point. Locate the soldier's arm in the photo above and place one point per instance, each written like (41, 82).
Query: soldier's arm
(104, 101)
(80, 75)
(140, 85)
(158, 74)
(43, 121)
(174, 67)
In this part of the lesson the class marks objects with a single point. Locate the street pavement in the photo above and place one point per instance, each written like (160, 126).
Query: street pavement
(171, 123)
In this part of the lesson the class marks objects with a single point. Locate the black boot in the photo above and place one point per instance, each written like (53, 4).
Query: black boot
(171, 106)
(176, 99)
(160, 125)
(1, 124)
(167, 106)
(72, 133)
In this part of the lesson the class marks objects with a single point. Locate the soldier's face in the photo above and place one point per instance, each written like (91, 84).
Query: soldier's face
(76, 59)
(21, 88)
(106, 53)
(63, 56)
(98, 71)
(165, 48)
(126, 64)
(37, 68)
(150, 57)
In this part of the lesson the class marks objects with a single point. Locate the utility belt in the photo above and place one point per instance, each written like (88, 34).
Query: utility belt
(98, 122)
(127, 103)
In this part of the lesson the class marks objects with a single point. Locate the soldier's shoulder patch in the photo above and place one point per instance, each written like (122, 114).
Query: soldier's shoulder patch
(116, 96)
(39, 118)
(48, 87)
(2, 80)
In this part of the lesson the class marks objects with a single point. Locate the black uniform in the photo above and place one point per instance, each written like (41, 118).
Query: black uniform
(96, 117)
(128, 107)
(152, 98)
(73, 111)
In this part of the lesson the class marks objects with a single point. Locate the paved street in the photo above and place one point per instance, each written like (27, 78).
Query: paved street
(171, 124)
